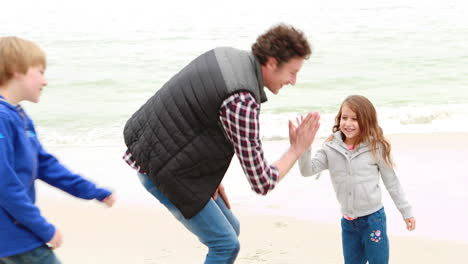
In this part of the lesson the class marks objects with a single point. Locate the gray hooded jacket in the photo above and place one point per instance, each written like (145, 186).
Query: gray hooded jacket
(355, 175)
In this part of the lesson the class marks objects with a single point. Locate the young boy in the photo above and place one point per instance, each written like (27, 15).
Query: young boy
(25, 235)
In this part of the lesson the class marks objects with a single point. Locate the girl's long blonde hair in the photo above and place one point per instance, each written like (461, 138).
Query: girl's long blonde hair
(371, 132)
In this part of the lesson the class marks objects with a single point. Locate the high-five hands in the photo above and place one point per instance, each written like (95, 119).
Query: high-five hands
(302, 135)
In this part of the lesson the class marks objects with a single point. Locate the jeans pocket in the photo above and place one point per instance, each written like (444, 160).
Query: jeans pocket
(377, 217)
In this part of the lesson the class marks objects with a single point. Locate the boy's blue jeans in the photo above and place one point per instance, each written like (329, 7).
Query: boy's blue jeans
(40, 255)
(215, 225)
(365, 239)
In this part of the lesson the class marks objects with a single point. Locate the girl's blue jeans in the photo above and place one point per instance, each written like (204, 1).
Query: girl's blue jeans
(365, 239)
(215, 225)
(40, 255)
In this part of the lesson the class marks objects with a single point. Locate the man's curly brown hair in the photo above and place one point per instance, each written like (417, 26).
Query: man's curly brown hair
(282, 42)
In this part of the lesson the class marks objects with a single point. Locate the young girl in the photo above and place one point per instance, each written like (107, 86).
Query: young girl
(357, 155)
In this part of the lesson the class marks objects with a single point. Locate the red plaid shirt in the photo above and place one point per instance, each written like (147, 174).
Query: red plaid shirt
(239, 115)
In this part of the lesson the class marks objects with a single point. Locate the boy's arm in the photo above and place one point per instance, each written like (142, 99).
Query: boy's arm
(14, 199)
(309, 166)
(54, 173)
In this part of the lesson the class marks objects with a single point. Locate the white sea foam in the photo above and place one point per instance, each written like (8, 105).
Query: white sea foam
(402, 120)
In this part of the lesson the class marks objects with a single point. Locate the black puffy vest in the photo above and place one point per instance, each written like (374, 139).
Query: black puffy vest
(176, 137)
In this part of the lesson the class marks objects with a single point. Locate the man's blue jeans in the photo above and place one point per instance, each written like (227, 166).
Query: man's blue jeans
(215, 225)
(365, 239)
(40, 255)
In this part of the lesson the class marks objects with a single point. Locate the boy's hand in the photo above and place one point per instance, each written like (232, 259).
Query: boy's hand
(56, 240)
(410, 223)
(109, 200)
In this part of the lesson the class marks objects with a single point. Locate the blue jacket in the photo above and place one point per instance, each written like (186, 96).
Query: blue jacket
(22, 161)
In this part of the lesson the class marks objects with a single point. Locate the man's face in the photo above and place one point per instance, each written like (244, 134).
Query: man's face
(274, 76)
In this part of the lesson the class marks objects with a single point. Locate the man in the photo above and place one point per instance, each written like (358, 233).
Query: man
(183, 138)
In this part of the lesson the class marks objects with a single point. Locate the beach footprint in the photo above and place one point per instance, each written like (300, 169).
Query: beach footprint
(161, 258)
(259, 255)
(279, 225)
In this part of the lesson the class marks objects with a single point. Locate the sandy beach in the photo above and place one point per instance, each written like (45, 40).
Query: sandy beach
(149, 235)
(296, 223)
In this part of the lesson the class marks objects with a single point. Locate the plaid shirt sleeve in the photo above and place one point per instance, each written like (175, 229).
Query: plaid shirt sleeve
(239, 115)
(132, 162)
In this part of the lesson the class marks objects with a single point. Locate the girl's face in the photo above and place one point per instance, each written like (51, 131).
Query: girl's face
(349, 125)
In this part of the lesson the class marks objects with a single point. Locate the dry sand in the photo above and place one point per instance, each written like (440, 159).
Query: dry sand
(297, 223)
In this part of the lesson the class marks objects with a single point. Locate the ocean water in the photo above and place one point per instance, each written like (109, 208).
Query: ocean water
(106, 58)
